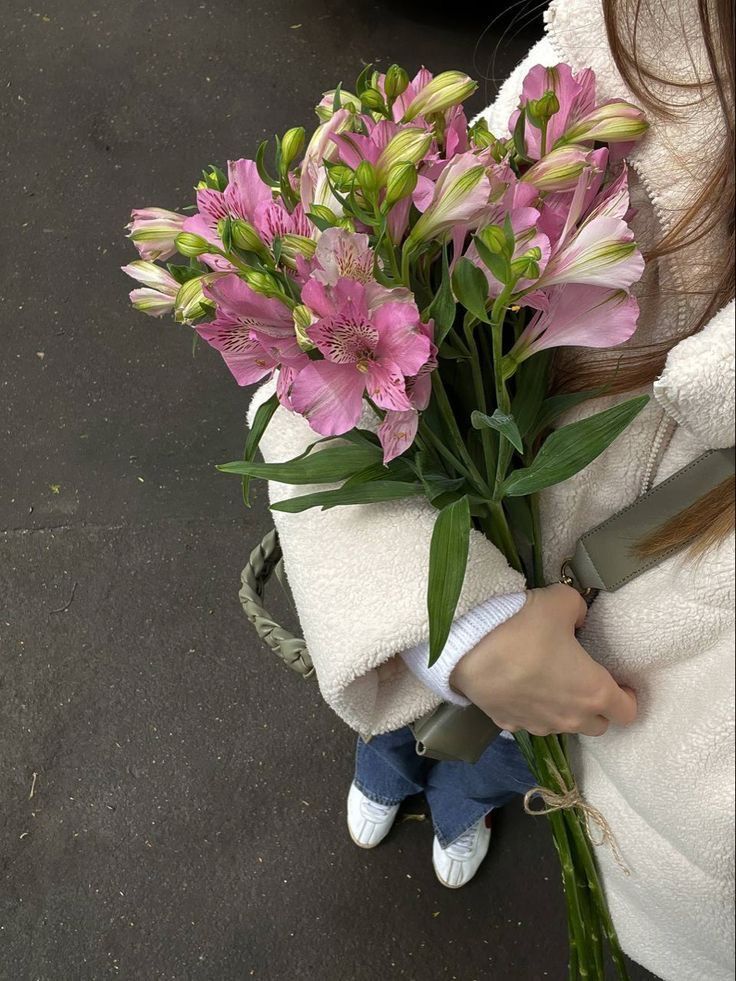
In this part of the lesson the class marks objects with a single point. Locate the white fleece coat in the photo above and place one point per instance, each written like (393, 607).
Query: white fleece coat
(666, 784)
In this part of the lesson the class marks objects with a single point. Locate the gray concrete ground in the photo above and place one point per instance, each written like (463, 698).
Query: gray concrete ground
(172, 801)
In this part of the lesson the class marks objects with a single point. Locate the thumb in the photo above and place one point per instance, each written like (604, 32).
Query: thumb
(622, 705)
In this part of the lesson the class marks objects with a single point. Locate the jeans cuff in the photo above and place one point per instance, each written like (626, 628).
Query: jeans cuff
(377, 798)
(454, 833)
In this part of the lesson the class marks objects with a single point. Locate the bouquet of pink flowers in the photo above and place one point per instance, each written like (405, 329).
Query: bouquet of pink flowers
(409, 269)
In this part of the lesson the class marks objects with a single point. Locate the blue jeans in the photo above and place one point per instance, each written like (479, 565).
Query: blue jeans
(388, 769)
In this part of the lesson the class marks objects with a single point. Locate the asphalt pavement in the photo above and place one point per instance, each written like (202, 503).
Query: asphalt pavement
(172, 798)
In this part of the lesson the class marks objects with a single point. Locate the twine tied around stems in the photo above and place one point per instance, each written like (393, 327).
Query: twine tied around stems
(567, 799)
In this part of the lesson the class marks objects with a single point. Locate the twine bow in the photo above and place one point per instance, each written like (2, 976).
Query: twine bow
(570, 798)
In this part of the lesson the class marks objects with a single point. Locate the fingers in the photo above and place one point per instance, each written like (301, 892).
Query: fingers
(571, 601)
(597, 725)
(621, 706)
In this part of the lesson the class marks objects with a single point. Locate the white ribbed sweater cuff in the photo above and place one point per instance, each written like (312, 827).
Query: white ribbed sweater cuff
(466, 632)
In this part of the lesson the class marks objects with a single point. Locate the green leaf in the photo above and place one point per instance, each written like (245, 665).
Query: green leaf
(184, 273)
(276, 248)
(554, 406)
(363, 80)
(370, 492)
(532, 382)
(322, 223)
(497, 263)
(448, 558)
(261, 164)
(518, 135)
(470, 286)
(397, 470)
(263, 416)
(443, 306)
(570, 449)
(337, 98)
(319, 467)
(502, 423)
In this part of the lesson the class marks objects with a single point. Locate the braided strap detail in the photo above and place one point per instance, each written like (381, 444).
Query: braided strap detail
(264, 560)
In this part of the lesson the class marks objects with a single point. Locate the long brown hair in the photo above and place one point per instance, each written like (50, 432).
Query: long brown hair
(712, 518)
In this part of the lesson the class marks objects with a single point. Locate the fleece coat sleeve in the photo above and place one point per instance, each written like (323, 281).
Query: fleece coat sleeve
(359, 579)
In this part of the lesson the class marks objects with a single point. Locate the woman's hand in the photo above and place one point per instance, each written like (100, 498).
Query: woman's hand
(531, 673)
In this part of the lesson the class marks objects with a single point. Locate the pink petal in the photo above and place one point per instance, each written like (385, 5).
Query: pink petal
(245, 190)
(581, 316)
(385, 385)
(238, 301)
(397, 432)
(244, 356)
(401, 340)
(329, 396)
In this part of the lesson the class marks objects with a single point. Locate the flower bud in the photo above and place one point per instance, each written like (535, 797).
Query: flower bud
(190, 303)
(542, 109)
(160, 288)
(615, 122)
(494, 238)
(293, 246)
(525, 267)
(324, 213)
(367, 178)
(341, 176)
(445, 90)
(245, 237)
(559, 170)
(261, 282)
(303, 319)
(373, 101)
(153, 231)
(410, 145)
(401, 181)
(191, 245)
(326, 108)
(347, 223)
(291, 146)
(396, 82)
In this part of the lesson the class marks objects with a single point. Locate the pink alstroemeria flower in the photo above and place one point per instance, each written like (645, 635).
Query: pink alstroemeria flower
(575, 94)
(579, 316)
(399, 428)
(255, 335)
(159, 288)
(460, 197)
(153, 231)
(313, 185)
(367, 350)
(241, 198)
(601, 251)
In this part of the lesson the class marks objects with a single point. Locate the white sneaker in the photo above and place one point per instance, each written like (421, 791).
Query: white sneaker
(457, 864)
(368, 822)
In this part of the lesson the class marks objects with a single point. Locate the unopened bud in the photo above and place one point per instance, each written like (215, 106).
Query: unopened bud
(410, 145)
(324, 213)
(291, 146)
(191, 245)
(445, 90)
(190, 303)
(542, 109)
(261, 282)
(494, 238)
(303, 320)
(341, 176)
(559, 170)
(525, 268)
(396, 82)
(372, 100)
(367, 178)
(401, 181)
(245, 237)
(293, 246)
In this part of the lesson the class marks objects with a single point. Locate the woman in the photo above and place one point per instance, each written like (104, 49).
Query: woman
(658, 764)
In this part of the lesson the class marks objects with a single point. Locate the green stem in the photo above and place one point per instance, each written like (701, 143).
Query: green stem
(486, 435)
(509, 545)
(537, 553)
(443, 404)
